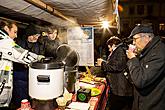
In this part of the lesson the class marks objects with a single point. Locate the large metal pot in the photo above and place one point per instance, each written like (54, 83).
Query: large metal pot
(70, 77)
(46, 79)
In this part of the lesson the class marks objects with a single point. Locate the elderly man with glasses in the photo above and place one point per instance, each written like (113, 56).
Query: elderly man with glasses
(147, 69)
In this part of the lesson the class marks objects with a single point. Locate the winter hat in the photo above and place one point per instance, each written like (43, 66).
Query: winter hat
(142, 28)
(31, 30)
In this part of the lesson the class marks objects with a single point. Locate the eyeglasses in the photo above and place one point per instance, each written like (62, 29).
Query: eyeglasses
(134, 39)
(37, 35)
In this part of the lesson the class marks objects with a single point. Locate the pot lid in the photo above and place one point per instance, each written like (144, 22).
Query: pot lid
(47, 63)
(68, 55)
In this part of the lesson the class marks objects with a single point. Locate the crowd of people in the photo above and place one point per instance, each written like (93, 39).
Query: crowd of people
(32, 46)
(134, 74)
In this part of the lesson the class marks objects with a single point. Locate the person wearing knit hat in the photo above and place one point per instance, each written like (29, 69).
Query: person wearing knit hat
(21, 71)
(31, 30)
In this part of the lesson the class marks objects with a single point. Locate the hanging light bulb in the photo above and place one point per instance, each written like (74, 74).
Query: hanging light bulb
(105, 24)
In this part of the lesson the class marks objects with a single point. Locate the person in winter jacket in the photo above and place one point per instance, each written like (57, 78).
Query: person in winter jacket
(147, 69)
(121, 96)
(28, 41)
(10, 52)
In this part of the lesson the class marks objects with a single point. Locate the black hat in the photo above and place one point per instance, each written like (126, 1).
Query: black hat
(31, 30)
(142, 28)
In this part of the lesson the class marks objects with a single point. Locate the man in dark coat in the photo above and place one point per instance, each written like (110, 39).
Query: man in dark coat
(147, 69)
(121, 89)
(29, 42)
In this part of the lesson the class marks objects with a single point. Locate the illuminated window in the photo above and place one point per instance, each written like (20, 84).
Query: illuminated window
(162, 27)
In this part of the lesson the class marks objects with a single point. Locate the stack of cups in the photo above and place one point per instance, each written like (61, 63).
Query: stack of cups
(25, 105)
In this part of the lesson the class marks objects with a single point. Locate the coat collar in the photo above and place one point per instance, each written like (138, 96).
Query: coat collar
(4, 34)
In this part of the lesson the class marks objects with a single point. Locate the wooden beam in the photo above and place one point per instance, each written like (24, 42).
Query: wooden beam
(49, 9)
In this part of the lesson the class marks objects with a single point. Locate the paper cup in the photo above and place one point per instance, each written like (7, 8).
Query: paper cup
(99, 61)
(132, 47)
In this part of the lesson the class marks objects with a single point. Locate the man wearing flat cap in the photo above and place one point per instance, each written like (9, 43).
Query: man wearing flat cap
(147, 69)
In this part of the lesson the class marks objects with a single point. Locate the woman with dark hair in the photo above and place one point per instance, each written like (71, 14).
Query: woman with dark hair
(121, 89)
